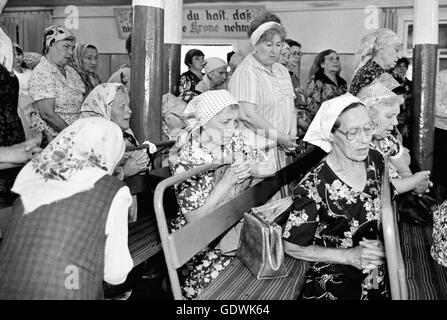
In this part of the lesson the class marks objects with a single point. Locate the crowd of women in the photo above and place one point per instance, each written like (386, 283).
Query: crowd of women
(72, 210)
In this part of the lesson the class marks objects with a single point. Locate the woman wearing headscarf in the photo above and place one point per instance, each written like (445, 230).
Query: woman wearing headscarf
(214, 139)
(85, 62)
(336, 218)
(378, 53)
(111, 102)
(264, 89)
(383, 107)
(68, 229)
(56, 87)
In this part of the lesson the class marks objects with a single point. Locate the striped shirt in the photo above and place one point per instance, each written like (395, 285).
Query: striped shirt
(270, 91)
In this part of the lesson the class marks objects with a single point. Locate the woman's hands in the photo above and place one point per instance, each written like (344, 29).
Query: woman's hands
(136, 163)
(368, 255)
(422, 182)
(287, 141)
(237, 173)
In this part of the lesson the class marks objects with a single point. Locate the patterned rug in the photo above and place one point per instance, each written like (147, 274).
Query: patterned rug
(426, 279)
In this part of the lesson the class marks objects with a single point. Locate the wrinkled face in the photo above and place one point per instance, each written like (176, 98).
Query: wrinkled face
(62, 52)
(390, 54)
(401, 70)
(90, 59)
(222, 126)
(331, 63)
(358, 148)
(218, 76)
(284, 54)
(268, 52)
(121, 112)
(295, 56)
(385, 115)
(197, 63)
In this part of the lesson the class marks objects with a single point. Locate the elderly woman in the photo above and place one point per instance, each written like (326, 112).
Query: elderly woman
(284, 54)
(172, 120)
(68, 228)
(324, 82)
(111, 101)
(336, 215)
(216, 74)
(56, 87)
(379, 52)
(188, 80)
(384, 106)
(213, 140)
(264, 89)
(85, 62)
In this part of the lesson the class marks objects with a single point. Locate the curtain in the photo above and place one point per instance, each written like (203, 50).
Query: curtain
(26, 27)
(389, 19)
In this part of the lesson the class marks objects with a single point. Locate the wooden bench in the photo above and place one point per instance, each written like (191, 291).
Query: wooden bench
(235, 282)
(394, 259)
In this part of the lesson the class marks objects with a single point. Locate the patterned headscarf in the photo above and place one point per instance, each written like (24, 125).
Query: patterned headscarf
(320, 128)
(56, 33)
(73, 161)
(376, 93)
(205, 106)
(99, 102)
(370, 43)
(91, 80)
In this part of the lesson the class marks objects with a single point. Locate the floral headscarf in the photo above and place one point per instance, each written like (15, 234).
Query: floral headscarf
(99, 101)
(73, 161)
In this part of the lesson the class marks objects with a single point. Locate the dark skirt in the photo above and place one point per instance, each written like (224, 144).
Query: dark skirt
(440, 157)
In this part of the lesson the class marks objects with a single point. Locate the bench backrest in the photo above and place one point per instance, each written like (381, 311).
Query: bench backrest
(183, 244)
(395, 262)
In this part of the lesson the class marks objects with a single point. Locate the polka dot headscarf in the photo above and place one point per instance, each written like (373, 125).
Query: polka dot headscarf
(208, 104)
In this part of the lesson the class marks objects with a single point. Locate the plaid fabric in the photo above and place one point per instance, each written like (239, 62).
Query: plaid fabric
(426, 279)
(57, 251)
(237, 283)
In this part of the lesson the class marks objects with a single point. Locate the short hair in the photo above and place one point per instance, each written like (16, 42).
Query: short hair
(262, 18)
(293, 43)
(229, 55)
(404, 60)
(337, 122)
(192, 53)
(129, 43)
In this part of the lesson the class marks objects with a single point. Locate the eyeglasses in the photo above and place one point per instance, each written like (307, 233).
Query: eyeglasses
(354, 133)
(300, 54)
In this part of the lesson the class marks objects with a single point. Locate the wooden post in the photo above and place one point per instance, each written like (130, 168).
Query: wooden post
(172, 46)
(147, 68)
(425, 54)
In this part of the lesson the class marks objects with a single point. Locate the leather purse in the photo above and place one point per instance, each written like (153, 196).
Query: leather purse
(260, 246)
(416, 209)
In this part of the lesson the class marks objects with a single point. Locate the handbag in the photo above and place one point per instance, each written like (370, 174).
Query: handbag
(416, 209)
(260, 245)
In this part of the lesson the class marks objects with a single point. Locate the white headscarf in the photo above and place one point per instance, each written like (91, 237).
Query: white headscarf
(78, 157)
(320, 128)
(213, 63)
(376, 93)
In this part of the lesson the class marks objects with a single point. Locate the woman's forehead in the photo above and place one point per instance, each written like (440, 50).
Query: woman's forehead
(356, 117)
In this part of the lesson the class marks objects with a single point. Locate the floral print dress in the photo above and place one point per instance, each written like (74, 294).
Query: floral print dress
(329, 213)
(187, 87)
(365, 75)
(192, 193)
(389, 147)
